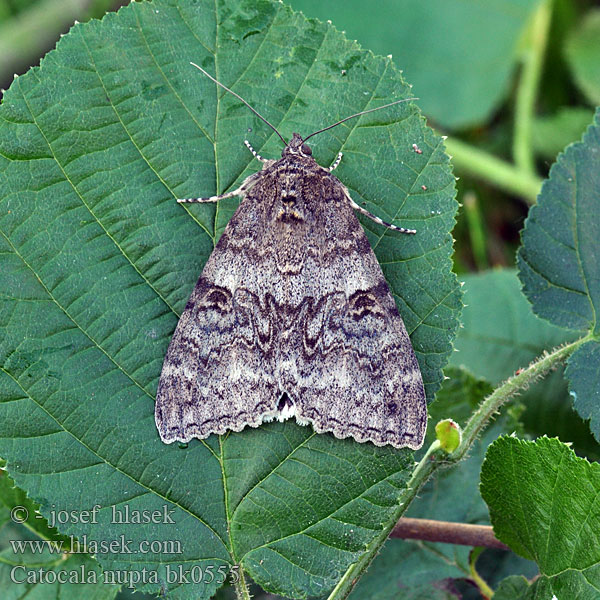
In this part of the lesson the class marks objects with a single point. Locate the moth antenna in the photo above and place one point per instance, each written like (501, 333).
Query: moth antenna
(364, 112)
(242, 100)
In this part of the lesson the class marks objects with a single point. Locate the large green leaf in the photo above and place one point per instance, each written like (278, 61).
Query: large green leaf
(459, 55)
(98, 261)
(543, 503)
(559, 262)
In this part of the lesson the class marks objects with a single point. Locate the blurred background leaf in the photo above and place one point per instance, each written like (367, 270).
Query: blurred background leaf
(582, 51)
(29, 28)
(459, 56)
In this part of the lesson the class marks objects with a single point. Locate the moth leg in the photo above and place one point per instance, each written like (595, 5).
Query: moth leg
(236, 192)
(254, 152)
(336, 162)
(377, 219)
(241, 191)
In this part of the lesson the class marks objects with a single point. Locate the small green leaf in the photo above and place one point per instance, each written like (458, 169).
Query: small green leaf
(582, 51)
(514, 587)
(98, 261)
(518, 588)
(543, 503)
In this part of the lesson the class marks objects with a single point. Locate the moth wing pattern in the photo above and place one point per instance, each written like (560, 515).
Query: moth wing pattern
(292, 315)
(357, 374)
(218, 371)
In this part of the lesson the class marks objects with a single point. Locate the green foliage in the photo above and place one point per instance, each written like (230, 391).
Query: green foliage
(542, 500)
(454, 494)
(99, 259)
(29, 28)
(11, 496)
(512, 588)
(583, 54)
(558, 262)
(82, 574)
(97, 262)
(73, 586)
(12, 8)
(408, 568)
(500, 333)
(420, 568)
(458, 89)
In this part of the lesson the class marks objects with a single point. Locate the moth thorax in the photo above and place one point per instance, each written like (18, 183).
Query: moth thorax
(297, 146)
(290, 212)
(288, 198)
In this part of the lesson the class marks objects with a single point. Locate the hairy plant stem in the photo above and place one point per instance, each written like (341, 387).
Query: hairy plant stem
(241, 587)
(423, 469)
(435, 457)
(492, 404)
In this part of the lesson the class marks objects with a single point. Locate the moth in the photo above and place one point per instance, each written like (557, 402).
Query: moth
(292, 316)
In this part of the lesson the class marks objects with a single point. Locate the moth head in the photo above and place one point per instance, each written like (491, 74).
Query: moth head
(297, 146)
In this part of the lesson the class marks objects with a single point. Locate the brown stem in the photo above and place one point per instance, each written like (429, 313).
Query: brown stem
(444, 531)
